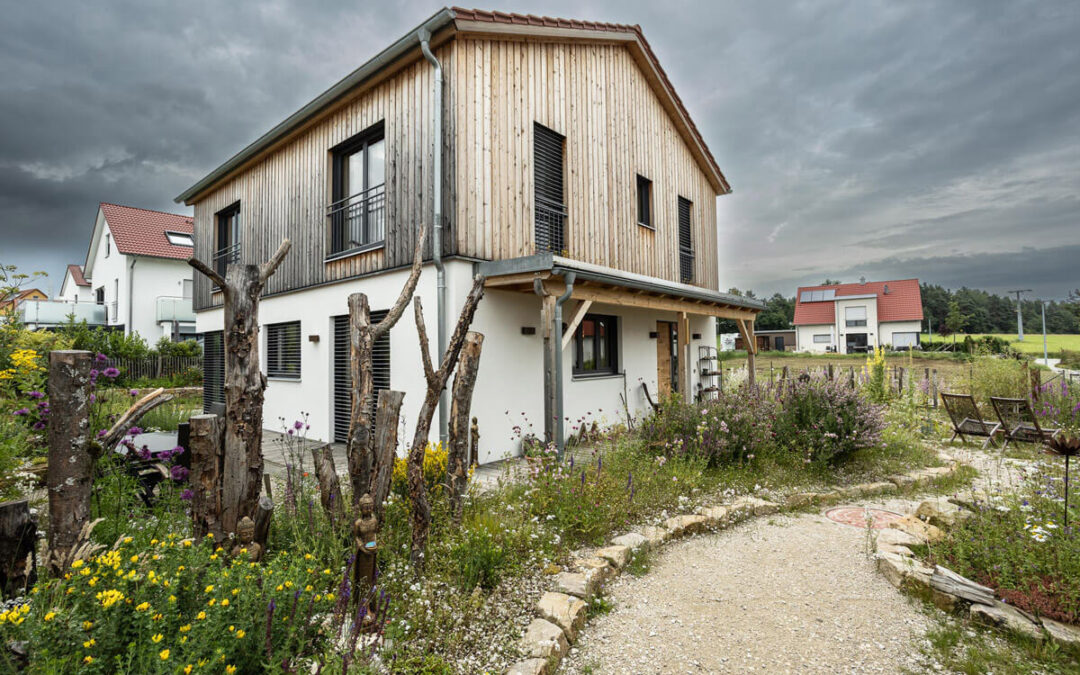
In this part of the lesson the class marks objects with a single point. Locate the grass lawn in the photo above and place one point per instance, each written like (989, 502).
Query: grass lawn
(1032, 344)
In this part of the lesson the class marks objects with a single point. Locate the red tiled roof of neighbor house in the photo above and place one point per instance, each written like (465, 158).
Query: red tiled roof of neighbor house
(555, 22)
(142, 231)
(903, 302)
(77, 275)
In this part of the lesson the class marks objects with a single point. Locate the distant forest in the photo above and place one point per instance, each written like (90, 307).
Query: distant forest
(966, 310)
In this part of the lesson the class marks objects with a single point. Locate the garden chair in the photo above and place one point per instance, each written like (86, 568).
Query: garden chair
(1020, 423)
(966, 418)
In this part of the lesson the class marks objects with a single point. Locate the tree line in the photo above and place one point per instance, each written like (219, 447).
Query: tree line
(965, 310)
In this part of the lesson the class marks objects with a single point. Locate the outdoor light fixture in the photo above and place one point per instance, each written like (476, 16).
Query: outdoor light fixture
(313, 338)
(528, 330)
(653, 334)
(696, 336)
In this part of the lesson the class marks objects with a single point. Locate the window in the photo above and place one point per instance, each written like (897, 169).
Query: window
(99, 295)
(283, 350)
(108, 244)
(822, 338)
(686, 244)
(228, 238)
(596, 346)
(644, 201)
(213, 369)
(179, 238)
(550, 205)
(855, 317)
(358, 212)
(187, 289)
(905, 340)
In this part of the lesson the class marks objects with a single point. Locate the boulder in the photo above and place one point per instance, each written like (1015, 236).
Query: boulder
(800, 500)
(1062, 632)
(971, 500)
(941, 512)
(529, 667)
(716, 515)
(579, 584)
(900, 570)
(565, 611)
(631, 540)
(597, 567)
(689, 524)
(902, 481)
(1003, 616)
(543, 640)
(618, 556)
(919, 529)
(884, 547)
(897, 538)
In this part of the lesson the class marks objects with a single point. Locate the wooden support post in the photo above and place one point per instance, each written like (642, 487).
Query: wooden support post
(933, 386)
(575, 321)
(329, 485)
(263, 517)
(1036, 383)
(70, 464)
(784, 372)
(547, 321)
(457, 466)
(18, 543)
(746, 330)
(385, 444)
(685, 364)
(851, 376)
(268, 486)
(206, 473)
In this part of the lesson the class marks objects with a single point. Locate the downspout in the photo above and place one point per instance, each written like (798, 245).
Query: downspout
(568, 279)
(436, 235)
(131, 289)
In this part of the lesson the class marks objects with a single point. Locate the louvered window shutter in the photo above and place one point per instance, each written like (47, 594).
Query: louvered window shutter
(686, 244)
(550, 206)
(343, 378)
(283, 350)
(213, 369)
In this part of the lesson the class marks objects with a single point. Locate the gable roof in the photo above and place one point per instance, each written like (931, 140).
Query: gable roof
(903, 302)
(138, 231)
(458, 19)
(76, 272)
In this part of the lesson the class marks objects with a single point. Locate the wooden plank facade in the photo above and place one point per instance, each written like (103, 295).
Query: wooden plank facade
(593, 92)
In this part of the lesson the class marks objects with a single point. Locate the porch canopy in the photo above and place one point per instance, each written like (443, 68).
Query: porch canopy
(557, 279)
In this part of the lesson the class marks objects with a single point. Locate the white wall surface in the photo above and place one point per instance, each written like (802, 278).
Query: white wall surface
(804, 337)
(887, 328)
(870, 329)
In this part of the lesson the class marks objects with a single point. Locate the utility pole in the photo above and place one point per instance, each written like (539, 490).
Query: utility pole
(1046, 357)
(1019, 313)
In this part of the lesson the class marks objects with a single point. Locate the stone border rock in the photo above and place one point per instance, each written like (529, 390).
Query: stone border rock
(561, 612)
(949, 591)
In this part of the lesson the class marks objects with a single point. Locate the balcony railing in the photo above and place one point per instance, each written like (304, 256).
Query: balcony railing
(550, 226)
(686, 265)
(358, 222)
(38, 313)
(170, 308)
(225, 257)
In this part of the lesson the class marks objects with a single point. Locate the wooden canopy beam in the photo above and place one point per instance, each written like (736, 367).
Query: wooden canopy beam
(627, 297)
(746, 330)
(575, 320)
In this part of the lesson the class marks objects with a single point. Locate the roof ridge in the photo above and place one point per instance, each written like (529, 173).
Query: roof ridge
(139, 208)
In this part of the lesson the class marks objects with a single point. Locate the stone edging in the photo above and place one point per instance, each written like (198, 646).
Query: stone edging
(947, 590)
(561, 612)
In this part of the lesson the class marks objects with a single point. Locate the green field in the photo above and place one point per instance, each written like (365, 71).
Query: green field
(1032, 344)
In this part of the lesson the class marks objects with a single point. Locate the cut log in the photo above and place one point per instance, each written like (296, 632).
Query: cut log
(948, 581)
(70, 461)
(457, 462)
(206, 468)
(18, 542)
(329, 486)
(387, 416)
(263, 516)
(131, 417)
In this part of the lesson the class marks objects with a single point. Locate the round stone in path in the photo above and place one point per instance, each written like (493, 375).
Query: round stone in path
(856, 516)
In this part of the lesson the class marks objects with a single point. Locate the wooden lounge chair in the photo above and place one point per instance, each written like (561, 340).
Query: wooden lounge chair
(1020, 423)
(967, 420)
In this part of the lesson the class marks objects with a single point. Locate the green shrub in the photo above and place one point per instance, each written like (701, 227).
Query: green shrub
(734, 427)
(996, 376)
(480, 558)
(826, 421)
(1070, 359)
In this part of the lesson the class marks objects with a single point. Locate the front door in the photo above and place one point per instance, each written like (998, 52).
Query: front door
(778, 343)
(856, 343)
(667, 357)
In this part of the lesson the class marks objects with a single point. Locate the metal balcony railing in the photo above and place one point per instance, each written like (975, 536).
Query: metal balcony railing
(225, 257)
(550, 226)
(37, 313)
(358, 221)
(171, 308)
(686, 266)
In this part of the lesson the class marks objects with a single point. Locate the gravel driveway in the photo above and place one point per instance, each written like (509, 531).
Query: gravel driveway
(790, 594)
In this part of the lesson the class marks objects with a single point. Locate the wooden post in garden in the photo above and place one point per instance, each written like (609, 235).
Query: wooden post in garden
(70, 464)
(18, 543)
(363, 335)
(1036, 383)
(933, 386)
(436, 382)
(207, 459)
(329, 485)
(784, 374)
(241, 480)
(387, 414)
(829, 372)
(851, 376)
(457, 464)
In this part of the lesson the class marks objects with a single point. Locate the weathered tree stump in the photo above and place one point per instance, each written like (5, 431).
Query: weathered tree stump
(387, 416)
(70, 462)
(207, 458)
(329, 485)
(457, 464)
(18, 542)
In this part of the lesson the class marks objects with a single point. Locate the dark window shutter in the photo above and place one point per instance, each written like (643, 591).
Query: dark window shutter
(283, 350)
(644, 199)
(550, 206)
(213, 369)
(686, 245)
(343, 378)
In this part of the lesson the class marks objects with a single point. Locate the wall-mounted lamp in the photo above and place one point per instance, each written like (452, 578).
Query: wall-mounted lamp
(653, 335)
(528, 330)
(696, 336)
(313, 338)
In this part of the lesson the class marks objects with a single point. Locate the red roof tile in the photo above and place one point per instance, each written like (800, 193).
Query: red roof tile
(142, 232)
(555, 22)
(903, 302)
(77, 275)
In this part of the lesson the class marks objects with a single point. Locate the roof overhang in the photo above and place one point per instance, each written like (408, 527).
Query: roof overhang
(611, 286)
(442, 26)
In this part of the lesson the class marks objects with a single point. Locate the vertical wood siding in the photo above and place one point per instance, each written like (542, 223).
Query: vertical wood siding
(615, 128)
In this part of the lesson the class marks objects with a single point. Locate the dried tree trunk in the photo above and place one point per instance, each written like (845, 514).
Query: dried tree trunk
(241, 478)
(18, 540)
(262, 521)
(207, 447)
(362, 338)
(329, 486)
(457, 465)
(385, 446)
(70, 462)
(436, 382)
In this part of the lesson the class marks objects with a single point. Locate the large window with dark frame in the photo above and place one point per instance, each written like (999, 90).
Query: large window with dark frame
(358, 210)
(644, 202)
(596, 347)
(686, 242)
(227, 237)
(283, 350)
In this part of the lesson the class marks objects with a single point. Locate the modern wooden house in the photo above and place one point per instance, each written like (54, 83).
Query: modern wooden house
(553, 157)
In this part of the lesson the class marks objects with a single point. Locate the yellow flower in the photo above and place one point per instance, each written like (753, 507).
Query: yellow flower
(308, 556)
(211, 602)
(329, 597)
(279, 587)
(183, 640)
(309, 588)
(76, 565)
(187, 543)
(87, 625)
(187, 670)
(158, 617)
(89, 643)
(164, 654)
(209, 535)
(88, 659)
(225, 602)
(230, 669)
(172, 599)
(134, 558)
(240, 633)
(127, 540)
(153, 542)
(157, 638)
(49, 616)
(235, 591)
(93, 581)
(213, 556)
(200, 616)
(232, 628)
(109, 597)
(142, 606)
(210, 589)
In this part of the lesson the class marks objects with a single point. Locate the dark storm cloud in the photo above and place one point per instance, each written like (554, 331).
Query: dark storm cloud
(859, 136)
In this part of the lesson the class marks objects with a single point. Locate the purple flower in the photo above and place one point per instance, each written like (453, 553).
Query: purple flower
(36, 395)
(21, 411)
(298, 425)
(290, 432)
(39, 425)
(133, 392)
(134, 431)
(111, 372)
(144, 453)
(93, 398)
(178, 473)
(186, 494)
(101, 358)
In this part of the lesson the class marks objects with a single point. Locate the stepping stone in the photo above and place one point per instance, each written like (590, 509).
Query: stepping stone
(941, 512)
(618, 556)
(529, 667)
(1003, 616)
(896, 537)
(689, 524)
(631, 540)
(755, 506)
(597, 567)
(902, 481)
(900, 570)
(919, 529)
(543, 640)
(566, 612)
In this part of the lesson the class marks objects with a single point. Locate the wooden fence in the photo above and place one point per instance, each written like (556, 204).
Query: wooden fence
(897, 378)
(155, 366)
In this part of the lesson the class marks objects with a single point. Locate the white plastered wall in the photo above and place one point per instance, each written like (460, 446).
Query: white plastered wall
(887, 329)
(805, 337)
(871, 327)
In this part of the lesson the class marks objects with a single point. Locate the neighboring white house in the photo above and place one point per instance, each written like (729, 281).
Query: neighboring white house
(136, 268)
(595, 191)
(851, 318)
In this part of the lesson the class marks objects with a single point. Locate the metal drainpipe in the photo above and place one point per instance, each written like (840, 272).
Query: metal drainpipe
(568, 279)
(131, 289)
(436, 235)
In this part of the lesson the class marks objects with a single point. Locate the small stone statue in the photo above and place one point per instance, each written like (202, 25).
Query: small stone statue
(245, 540)
(364, 530)
(474, 445)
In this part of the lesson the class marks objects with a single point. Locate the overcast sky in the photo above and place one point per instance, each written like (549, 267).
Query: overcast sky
(938, 140)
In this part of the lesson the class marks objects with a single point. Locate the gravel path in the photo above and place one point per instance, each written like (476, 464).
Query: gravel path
(794, 594)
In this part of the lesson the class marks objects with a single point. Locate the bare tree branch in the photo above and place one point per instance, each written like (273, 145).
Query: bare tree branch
(133, 414)
(425, 348)
(395, 312)
(209, 272)
(267, 268)
(453, 348)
